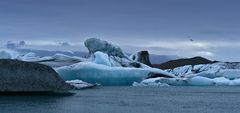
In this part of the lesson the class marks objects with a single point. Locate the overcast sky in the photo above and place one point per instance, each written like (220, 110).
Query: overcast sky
(161, 26)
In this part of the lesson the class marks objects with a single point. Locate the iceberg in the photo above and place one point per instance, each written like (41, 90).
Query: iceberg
(29, 57)
(162, 80)
(229, 73)
(102, 58)
(220, 69)
(194, 81)
(58, 60)
(182, 71)
(200, 81)
(235, 82)
(108, 76)
(79, 84)
(222, 81)
(8, 54)
(152, 84)
(108, 66)
(115, 54)
(95, 45)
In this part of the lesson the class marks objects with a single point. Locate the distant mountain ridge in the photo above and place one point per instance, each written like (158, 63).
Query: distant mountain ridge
(159, 59)
(182, 62)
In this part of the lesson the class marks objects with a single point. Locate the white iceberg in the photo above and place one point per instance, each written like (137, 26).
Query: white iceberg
(182, 71)
(105, 75)
(163, 81)
(194, 81)
(152, 84)
(8, 54)
(229, 73)
(102, 58)
(59, 60)
(200, 81)
(220, 69)
(235, 82)
(222, 81)
(29, 57)
(79, 84)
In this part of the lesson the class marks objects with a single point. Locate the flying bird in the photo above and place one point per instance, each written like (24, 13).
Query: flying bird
(189, 37)
(191, 40)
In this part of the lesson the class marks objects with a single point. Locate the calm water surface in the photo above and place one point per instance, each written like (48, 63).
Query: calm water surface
(182, 99)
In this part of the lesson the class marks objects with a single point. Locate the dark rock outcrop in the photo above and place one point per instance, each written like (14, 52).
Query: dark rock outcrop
(143, 57)
(182, 62)
(135, 64)
(155, 75)
(20, 76)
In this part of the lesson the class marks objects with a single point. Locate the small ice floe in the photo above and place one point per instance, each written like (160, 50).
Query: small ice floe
(151, 84)
(79, 84)
(200, 81)
(222, 81)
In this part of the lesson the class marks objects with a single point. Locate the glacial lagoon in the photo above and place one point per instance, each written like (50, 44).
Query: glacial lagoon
(180, 99)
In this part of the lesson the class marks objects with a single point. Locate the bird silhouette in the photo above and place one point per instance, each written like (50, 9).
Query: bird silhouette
(189, 37)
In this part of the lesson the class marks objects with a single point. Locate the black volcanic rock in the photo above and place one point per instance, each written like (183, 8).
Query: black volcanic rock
(182, 62)
(155, 75)
(143, 57)
(20, 76)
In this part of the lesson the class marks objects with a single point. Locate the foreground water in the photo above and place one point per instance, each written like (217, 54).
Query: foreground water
(130, 100)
